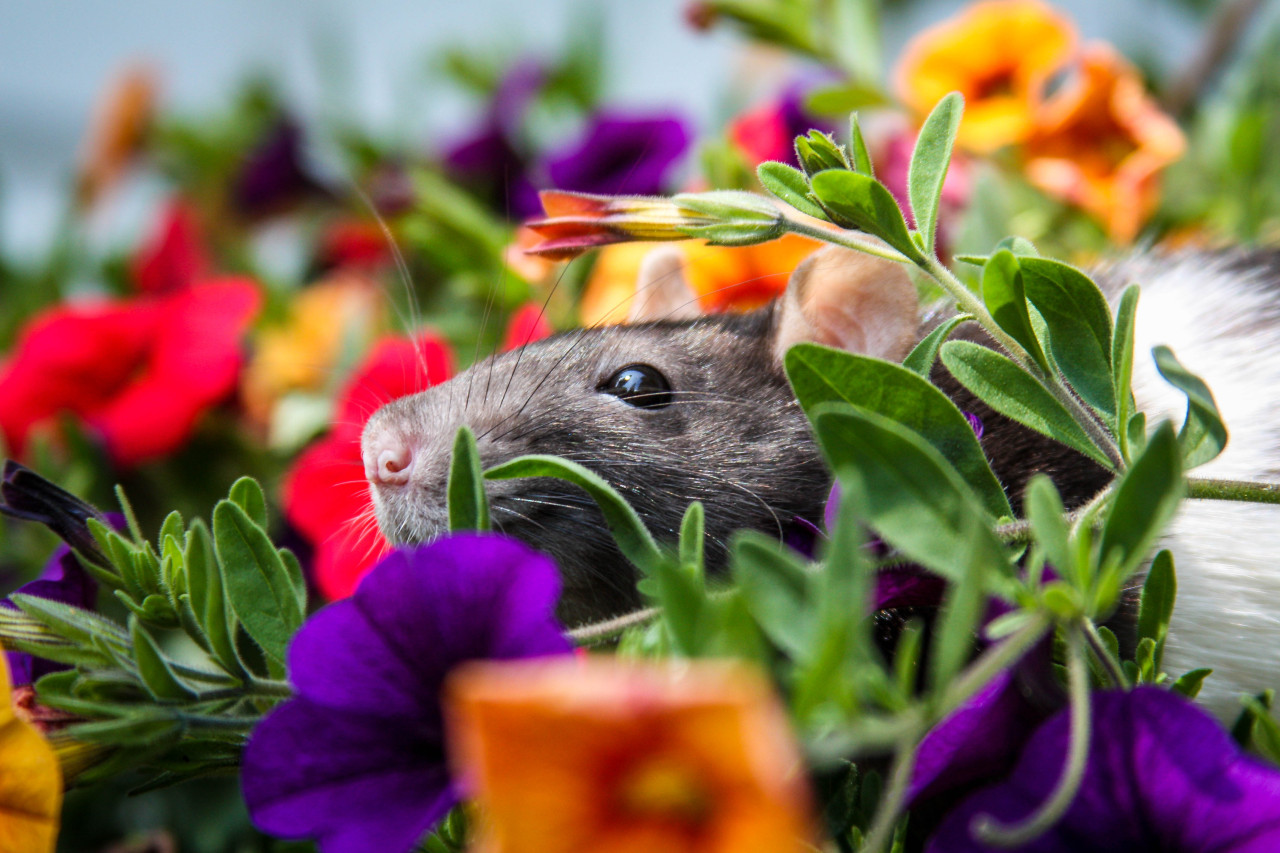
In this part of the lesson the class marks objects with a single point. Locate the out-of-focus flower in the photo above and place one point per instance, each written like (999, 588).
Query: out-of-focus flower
(530, 267)
(576, 222)
(138, 372)
(768, 131)
(273, 176)
(116, 133)
(333, 316)
(1101, 143)
(597, 754)
(528, 324)
(354, 243)
(621, 155)
(999, 54)
(174, 256)
(325, 495)
(30, 781)
(490, 162)
(723, 277)
(1161, 775)
(357, 759)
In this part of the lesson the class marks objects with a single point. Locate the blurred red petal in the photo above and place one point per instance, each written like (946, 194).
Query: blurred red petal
(527, 325)
(173, 257)
(395, 367)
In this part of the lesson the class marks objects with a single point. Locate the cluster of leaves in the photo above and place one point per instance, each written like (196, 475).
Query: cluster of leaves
(180, 685)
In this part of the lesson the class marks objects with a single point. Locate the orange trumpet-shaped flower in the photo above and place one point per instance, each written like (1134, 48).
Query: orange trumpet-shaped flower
(999, 55)
(119, 126)
(725, 278)
(1101, 143)
(614, 757)
(30, 782)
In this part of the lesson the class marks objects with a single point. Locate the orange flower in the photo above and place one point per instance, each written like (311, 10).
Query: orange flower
(335, 315)
(30, 782)
(1101, 143)
(119, 125)
(724, 277)
(615, 757)
(998, 54)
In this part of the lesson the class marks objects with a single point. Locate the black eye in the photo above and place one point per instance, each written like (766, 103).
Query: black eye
(640, 385)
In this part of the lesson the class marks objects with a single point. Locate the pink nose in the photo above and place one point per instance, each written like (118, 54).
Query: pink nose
(388, 460)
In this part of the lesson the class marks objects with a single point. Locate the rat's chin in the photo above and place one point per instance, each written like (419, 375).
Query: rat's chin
(403, 524)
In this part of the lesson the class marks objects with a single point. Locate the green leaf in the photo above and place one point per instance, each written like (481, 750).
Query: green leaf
(818, 152)
(172, 526)
(1014, 393)
(860, 201)
(1122, 360)
(789, 184)
(1146, 499)
(842, 99)
(921, 358)
(208, 598)
(256, 580)
(144, 728)
(154, 668)
(683, 600)
(1155, 610)
(468, 504)
(629, 532)
(1188, 684)
(1080, 333)
(776, 589)
(909, 493)
(1046, 514)
(247, 494)
(692, 534)
(820, 374)
(1203, 434)
(929, 163)
(1003, 294)
(297, 579)
(71, 623)
(861, 158)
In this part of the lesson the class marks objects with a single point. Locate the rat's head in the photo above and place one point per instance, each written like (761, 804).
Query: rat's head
(670, 408)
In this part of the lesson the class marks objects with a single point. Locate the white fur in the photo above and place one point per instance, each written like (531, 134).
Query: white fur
(1225, 327)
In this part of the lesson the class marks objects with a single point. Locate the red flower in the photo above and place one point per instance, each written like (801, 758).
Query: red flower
(138, 372)
(174, 256)
(528, 324)
(325, 494)
(354, 242)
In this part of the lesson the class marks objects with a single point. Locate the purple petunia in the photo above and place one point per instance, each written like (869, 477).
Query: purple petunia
(356, 759)
(1161, 775)
(63, 579)
(621, 155)
(273, 175)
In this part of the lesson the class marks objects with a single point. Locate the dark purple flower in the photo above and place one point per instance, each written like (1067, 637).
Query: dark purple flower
(1161, 775)
(357, 759)
(26, 495)
(272, 176)
(975, 422)
(63, 579)
(621, 155)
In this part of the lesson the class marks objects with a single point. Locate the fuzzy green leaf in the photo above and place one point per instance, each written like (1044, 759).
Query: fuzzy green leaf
(248, 495)
(1005, 298)
(929, 163)
(860, 201)
(255, 579)
(921, 358)
(1203, 434)
(157, 676)
(789, 184)
(776, 590)
(468, 503)
(861, 157)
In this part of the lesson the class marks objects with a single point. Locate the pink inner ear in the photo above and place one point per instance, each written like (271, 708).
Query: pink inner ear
(851, 301)
(661, 290)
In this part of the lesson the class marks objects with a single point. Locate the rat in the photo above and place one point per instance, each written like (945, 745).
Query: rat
(675, 406)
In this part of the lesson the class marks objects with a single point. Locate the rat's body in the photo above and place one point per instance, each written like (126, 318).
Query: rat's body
(730, 434)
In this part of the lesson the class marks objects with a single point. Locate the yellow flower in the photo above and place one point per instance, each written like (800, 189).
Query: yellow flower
(119, 126)
(999, 55)
(600, 755)
(723, 277)
(1102, 142)
(30, 782)
(337, 313)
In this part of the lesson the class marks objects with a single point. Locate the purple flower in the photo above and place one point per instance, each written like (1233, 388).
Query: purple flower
(63, 579)
(26, 495)
(357, 759)
(621, 155)
(1161, 775)
(272, 176)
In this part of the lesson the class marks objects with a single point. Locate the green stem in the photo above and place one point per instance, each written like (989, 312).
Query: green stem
(990, 830)
(881, 830)
(1233, 490)
(1100, 650)
(844, 238)
(598, 631)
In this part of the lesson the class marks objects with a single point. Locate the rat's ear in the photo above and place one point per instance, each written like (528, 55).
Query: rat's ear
(849, 300)
(661, 290)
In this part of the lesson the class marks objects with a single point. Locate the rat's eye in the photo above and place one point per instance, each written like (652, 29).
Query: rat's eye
(640, 385)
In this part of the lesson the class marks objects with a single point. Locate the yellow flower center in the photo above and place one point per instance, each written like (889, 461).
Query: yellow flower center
(663, 789)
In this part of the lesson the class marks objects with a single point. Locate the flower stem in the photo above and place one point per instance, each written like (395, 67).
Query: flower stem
(844, 238)
(987, 828)
(991, 662)
(597, 631)
(1100, 650)
(1233, 490)
(881, 830)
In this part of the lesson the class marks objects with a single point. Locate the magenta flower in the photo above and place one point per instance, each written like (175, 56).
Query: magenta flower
(1161, 775)
(357, 759)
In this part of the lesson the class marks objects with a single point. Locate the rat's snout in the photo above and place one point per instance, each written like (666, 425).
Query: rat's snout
(388, 458)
